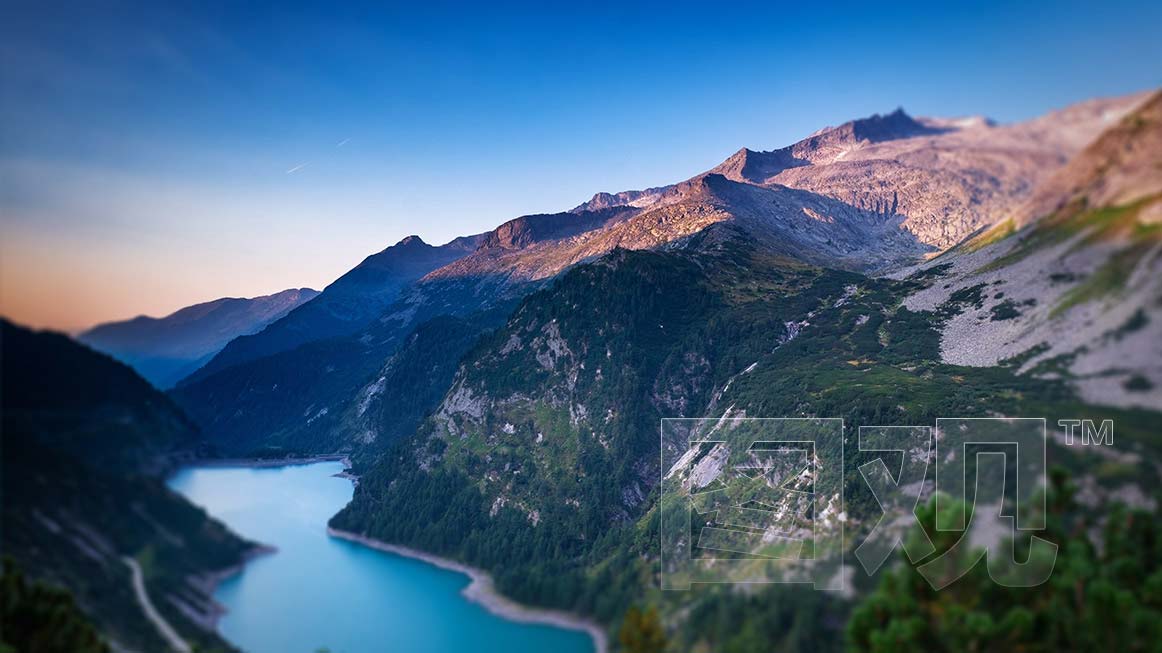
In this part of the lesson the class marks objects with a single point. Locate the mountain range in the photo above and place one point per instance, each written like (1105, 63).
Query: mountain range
(871, 196)
(348, 303)
(540, 462)
(167, 349)
(500, 395)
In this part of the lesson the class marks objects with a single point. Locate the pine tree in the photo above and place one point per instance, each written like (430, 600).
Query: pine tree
(641, 632)
(1107, 598)
(36, 618)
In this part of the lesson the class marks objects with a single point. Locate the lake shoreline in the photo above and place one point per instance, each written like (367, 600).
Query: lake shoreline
(482, 590)
(208, 582)
(209, 615)
(269, 462)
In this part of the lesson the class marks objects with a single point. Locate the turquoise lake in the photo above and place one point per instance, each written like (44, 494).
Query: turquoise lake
(321, 593)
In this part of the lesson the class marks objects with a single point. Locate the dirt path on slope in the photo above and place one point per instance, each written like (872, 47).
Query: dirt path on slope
(163, 628)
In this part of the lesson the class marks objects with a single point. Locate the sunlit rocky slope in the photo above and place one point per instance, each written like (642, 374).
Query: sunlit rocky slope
(1070, 283)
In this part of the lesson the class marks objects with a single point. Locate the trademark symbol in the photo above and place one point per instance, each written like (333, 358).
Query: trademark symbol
(1090, 434)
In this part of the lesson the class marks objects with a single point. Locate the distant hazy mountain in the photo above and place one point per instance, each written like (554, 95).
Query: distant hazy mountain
(86, 442)
(167, 349)
(347, 304)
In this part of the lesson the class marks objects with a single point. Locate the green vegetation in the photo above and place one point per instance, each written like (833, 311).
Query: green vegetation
(1098, 598)
(994, 234)
(963, 299)
(641, 632)
(546, 473)
(1136, 322)
(1138, 383)
(84, 443)
(1078, 219)
(304, 401)
(776, 619)
(1006, 310)
(1108, 280)
(36, 618)
(409, 385)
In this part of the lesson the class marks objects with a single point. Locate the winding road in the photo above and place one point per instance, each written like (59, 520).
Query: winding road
(175, 641)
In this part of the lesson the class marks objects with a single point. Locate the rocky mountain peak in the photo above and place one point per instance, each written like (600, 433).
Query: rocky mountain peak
(527, 230)
(412, 241)
(894, 125)
(827, 145)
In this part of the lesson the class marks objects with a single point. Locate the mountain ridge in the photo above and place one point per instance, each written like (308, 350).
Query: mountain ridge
(166, 349)
(346, 304)
(944, 177)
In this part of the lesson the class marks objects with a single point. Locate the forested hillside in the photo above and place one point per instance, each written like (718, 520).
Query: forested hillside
(85, 442)
(541, 462)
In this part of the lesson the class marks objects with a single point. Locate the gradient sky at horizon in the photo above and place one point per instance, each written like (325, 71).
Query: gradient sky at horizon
(152, 157)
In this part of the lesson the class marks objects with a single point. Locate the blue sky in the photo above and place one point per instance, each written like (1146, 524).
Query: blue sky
(154, 156)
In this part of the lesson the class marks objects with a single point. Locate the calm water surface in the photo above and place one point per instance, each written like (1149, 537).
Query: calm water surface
(319, 592)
